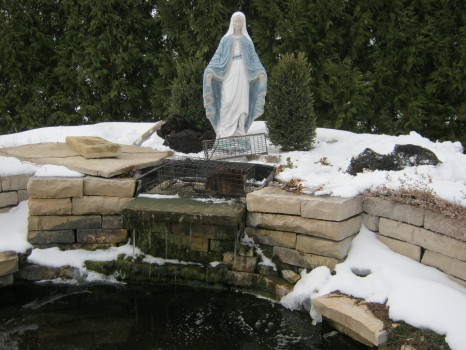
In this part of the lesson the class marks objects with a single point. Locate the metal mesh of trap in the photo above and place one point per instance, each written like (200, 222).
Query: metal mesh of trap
(204, 177)
(235, 146)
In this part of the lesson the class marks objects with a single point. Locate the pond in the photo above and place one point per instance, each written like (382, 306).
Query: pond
(113, 317)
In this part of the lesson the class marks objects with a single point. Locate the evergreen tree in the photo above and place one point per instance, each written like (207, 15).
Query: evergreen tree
(186, 93)
(109, 50)
(378, 66)
(290, 112)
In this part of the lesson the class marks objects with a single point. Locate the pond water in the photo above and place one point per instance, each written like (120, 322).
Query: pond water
(153, 317)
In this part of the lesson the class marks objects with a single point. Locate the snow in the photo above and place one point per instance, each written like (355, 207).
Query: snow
(337, 147)
(417, 294)
(13, 229)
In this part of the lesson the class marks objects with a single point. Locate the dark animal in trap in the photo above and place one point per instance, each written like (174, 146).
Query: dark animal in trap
(226, 182)
(198, 177)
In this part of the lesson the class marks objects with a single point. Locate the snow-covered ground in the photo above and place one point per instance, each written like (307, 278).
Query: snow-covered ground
(417, 294)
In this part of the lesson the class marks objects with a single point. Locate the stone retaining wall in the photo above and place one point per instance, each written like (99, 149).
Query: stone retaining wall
(77, 212)
(430, 238)
(303, 231)
(13, 189)
(297, 231)
(306, 231)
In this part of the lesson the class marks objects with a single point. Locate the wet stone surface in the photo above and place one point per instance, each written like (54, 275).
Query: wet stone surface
(153, 317)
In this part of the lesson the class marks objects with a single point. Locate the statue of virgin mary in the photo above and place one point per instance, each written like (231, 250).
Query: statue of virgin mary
(235, 82)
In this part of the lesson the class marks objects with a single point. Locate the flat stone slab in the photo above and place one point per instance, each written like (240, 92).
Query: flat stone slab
(445, 263)
(333, 230)
(93, 146)
(186, 210)
(407, 249)
(130, 159)
(278, 201)
(427, 239)
(301, 259)
(352, 318)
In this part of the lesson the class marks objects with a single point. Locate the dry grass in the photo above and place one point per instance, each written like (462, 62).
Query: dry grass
(293, 185)
(418, 193)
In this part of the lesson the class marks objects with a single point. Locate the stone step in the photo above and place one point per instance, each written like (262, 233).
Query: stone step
(352, 318)
(185, 210)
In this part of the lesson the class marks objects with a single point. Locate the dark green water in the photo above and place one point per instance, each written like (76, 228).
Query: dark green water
(152, 317)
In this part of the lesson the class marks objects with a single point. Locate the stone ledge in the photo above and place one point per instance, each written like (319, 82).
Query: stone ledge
(410, 250)
(437, 222)
(98, 205)
(371, 222)
(66, 222)
(112, 221)
(323, 247)
(55, 187)
(23, 195)
(8, 199)
(273, 200)
(400, 212)
(427, 239)
(458, 280)
(332, 230)
(6, 209)
(50, 237)
(445, 263)
(185, 210)
(49, 206)
(330, 208)
(277, 201)
(351, 318)
(272, 237)
(15, 182)
(94, 186)
(300, 259)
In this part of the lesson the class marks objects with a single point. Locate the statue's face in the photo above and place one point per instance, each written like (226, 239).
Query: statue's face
(237, 24)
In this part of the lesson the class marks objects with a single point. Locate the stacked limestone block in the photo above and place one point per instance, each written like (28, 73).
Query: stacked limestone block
(430, 238)
(13, 189)
(77, 212)
(8, 266)
(303, 230)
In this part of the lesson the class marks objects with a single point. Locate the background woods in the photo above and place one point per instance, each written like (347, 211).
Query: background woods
(376, 66)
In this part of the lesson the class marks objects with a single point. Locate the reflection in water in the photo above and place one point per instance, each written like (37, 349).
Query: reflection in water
(152, 317)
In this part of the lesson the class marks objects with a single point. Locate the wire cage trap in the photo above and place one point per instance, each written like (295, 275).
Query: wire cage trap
(200, 177)
(235, 146)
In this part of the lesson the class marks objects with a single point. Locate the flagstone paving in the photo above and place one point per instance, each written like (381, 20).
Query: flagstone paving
(55, 153)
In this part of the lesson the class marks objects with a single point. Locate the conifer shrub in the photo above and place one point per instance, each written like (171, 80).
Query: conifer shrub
(290, 116)
(186, 93)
